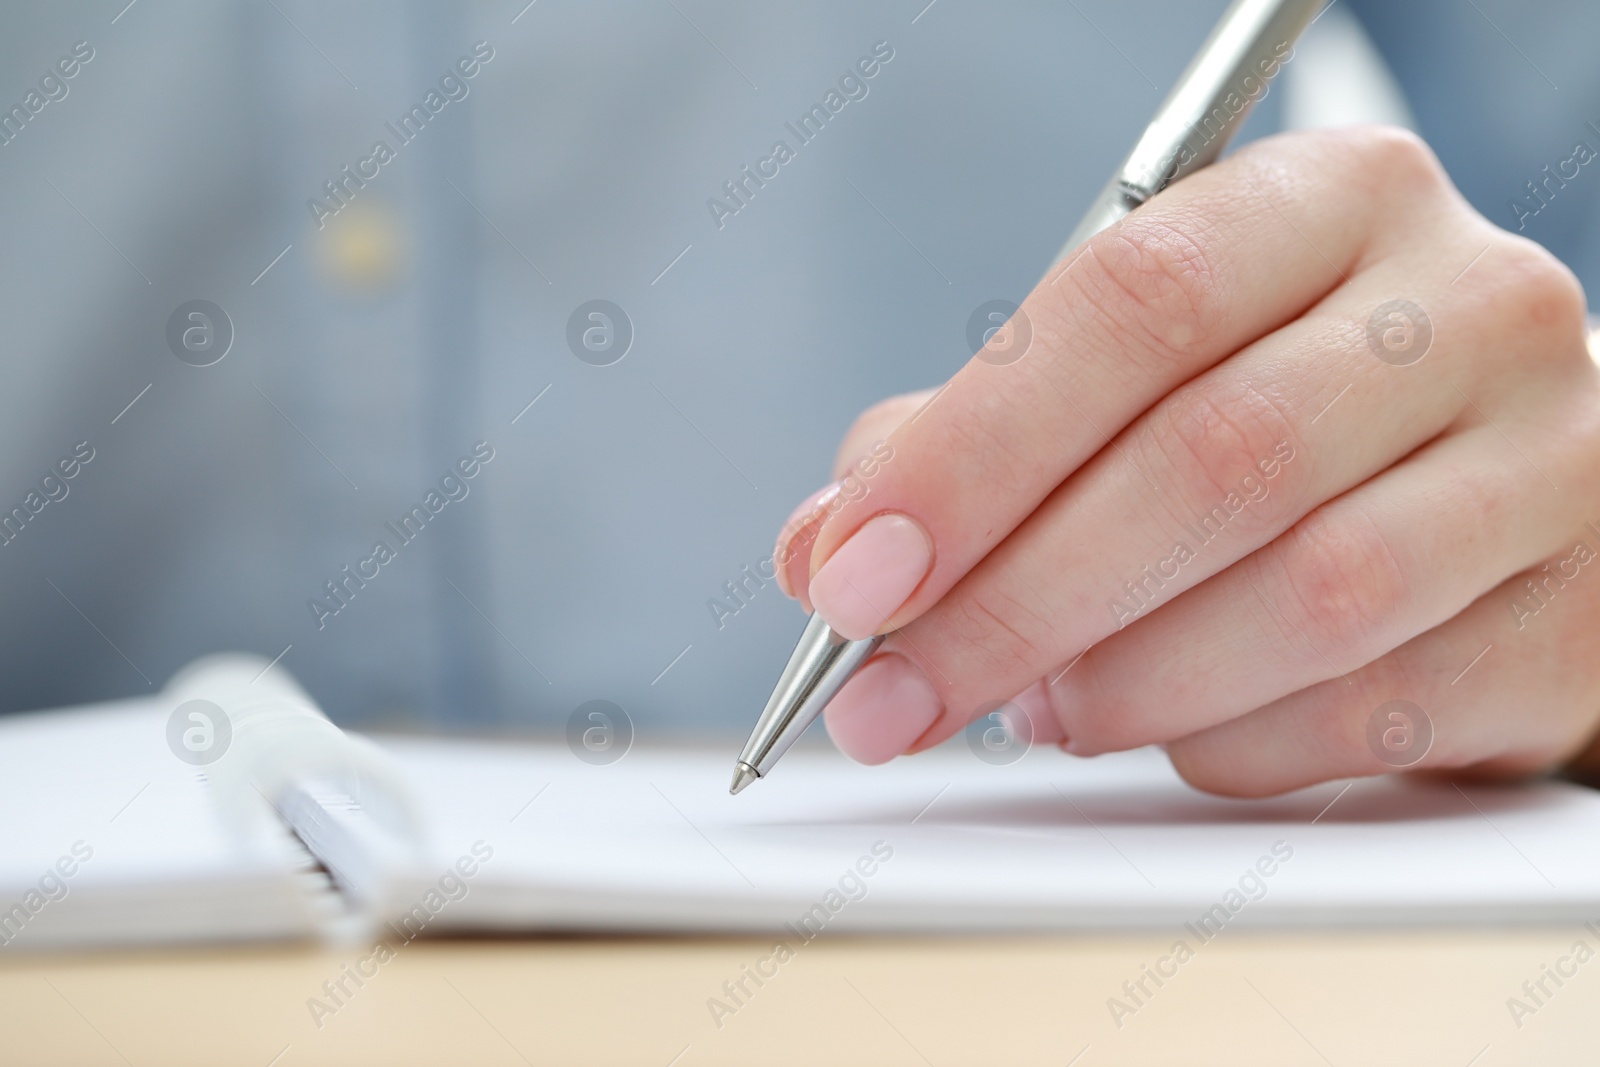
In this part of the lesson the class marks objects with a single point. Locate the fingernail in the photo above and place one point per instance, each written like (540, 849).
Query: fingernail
(882, 710)
(872, 574)
(792, 555)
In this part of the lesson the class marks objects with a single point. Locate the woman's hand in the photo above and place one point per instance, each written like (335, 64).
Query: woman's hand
(1303, 436)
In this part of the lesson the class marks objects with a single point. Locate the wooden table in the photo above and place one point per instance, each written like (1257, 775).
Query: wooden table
(1362, 998)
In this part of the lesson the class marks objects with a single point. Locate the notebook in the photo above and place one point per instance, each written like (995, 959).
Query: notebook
(137, 822)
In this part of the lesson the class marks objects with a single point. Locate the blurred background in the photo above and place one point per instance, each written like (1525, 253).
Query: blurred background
(370, 348)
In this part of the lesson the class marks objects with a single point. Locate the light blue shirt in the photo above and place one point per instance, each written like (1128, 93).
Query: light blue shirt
(398, 315)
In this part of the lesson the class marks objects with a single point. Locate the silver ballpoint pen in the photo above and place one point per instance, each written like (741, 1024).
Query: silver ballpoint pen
(1249, 45)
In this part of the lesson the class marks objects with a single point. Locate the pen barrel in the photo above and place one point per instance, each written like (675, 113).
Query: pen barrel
(1232, 71)
(1114, 203)
(822, 662)
(1250, 45)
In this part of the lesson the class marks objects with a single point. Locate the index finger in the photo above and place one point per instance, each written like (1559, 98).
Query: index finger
(1193, 276)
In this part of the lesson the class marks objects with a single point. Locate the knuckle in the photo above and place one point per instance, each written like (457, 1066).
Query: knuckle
(1005, 638)
(1220, 440)
(1345, 583)
(1155, 282)
(991, 446)
(1396, 158)
(1537, 295)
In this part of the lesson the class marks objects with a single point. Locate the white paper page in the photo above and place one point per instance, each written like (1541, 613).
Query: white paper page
(97, 792)
(654, 842)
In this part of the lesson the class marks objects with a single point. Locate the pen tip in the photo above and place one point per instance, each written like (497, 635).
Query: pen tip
(742, 776)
